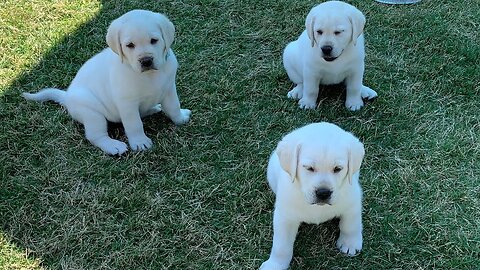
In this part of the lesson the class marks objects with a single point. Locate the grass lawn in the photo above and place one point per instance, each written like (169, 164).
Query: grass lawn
(199, 198)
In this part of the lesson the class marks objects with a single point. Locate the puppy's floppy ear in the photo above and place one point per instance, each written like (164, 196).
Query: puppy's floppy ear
(356, 151)
(287, 152)
(357, 20)
(113, 37)
(309, 26)
(167, 29)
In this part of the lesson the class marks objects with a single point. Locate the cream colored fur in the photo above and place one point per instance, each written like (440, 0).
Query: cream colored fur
(314, 173)
(334, 27)
(133, 78)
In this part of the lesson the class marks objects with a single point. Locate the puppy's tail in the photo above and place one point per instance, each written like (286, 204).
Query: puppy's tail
(47, 94)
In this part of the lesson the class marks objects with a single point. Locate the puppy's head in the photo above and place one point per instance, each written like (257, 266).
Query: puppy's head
(141, 38)
(333, 26)
(323, 158)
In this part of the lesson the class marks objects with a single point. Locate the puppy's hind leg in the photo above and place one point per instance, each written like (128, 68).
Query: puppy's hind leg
(96, 132)
(296, 92)
(292, 65)
(368, 93)
(155, 109)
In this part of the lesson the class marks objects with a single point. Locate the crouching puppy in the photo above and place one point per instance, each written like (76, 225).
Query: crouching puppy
(314, 173)
(329, 51)
(133, 78)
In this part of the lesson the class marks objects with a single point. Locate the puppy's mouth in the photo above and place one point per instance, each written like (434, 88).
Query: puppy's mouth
(323, 203)
(329, 58)
(144, 69)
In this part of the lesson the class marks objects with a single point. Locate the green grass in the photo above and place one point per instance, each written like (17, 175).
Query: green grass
(199, 198)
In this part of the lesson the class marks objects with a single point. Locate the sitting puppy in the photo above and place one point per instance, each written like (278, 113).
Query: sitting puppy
(133, 78)
(314, 173)
(330, 51)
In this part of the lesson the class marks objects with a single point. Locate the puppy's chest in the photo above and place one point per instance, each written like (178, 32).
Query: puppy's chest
(307, 213)
(319, 214)
(152, 89)
(334, 75)
(146, 93)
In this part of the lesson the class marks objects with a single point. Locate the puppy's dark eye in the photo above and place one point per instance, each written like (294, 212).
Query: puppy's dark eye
(320, 32)
(337, 32)
(310, 168)
(153, 41)
(337, 169)
(130, 45)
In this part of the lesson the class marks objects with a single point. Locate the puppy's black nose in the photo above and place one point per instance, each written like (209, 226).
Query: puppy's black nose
(327, 50)
(146, 62)
(323, 194)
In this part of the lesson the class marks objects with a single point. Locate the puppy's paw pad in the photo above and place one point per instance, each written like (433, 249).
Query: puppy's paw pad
(296, 93)
(306, 104)
(114, 147)
(184, 117)
(368, 93)
(140, 143)
(270, 265)
(155, 109)
(354, 105)
(350, 245)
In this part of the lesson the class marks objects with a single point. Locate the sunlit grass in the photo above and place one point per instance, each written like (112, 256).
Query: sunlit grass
(29, 29)
(13, 258)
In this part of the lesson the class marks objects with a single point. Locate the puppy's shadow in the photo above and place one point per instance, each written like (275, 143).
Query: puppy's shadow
(331, 93)
(335, 93)
(151, 124)
(315, 243)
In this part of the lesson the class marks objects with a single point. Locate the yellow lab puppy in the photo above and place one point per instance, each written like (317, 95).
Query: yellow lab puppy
(329, 51)
(133, 78)
(314, 173)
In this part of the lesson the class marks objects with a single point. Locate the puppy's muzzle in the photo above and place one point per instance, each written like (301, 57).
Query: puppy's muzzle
(323, 196)
(327, 51)
(146, 63)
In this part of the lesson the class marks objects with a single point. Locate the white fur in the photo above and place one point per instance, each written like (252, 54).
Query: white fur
(114, 85)
(319, 156)
(340, 26)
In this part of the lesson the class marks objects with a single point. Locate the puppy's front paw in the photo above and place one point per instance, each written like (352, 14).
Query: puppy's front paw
(113, 147)
(140, 143)
(350, 244)
(368, 93)
(296, 93)
(272, 265)
(354, 104)
(306, 103)
(184, 117)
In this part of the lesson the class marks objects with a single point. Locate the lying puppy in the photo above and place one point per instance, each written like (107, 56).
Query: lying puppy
(330, 51)
(133, 78)
(314, 173)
